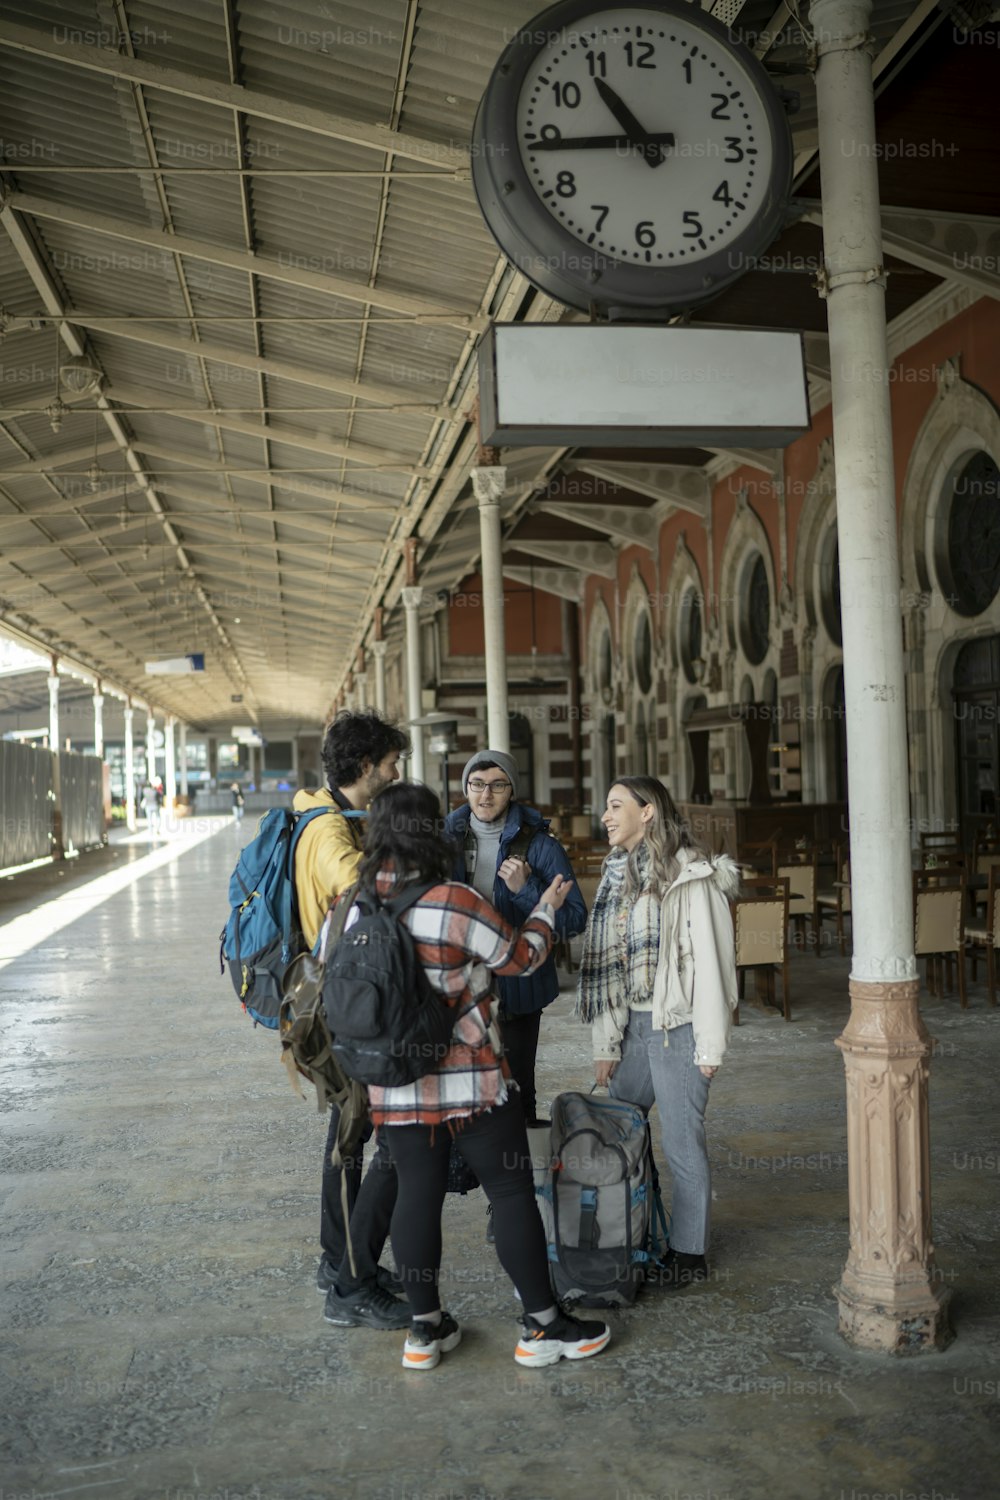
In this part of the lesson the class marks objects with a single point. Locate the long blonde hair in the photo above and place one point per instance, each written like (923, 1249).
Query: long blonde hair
(664, 835)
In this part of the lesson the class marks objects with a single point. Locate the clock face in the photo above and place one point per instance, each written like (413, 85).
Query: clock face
(644, 137)
(631, 156)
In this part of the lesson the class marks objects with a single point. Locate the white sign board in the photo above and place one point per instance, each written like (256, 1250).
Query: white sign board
(171, 666)
(641, 386)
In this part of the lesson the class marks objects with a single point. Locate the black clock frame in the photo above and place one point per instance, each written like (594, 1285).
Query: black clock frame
(556, 261)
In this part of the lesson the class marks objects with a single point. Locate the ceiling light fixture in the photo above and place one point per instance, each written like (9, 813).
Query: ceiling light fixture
(80, 377)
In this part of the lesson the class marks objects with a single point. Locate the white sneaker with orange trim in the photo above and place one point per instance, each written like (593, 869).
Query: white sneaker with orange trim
(564, 1338)
(426, 1342)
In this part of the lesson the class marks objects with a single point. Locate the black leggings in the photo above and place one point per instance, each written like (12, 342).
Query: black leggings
(495, 1145)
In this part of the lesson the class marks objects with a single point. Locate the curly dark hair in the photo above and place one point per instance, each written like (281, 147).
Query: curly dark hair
(405, 832)
(353, 738)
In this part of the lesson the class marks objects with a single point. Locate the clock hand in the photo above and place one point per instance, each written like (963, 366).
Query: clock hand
(627, 120)
(595, 142)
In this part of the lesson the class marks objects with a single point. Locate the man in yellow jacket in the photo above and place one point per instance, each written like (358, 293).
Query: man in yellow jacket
(361, 754)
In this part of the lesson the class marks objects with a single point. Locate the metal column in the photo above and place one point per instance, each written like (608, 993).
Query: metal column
(54, 711)
(99, 725)
(170, 764)
(129, 769)
(887, 1297)
(489, 484)
(412, 597)
(378, 652)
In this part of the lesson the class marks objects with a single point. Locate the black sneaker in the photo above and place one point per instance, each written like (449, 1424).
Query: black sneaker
(490, 1235)
(326, 1277)
(426, 1342)
(676, 1268)
(566, 1337)
(368, 1307)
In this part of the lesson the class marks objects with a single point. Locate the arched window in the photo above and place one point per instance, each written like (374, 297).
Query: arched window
(829, 587)
(643, 653)
(691, 636)
(755, 610)
(969, 535)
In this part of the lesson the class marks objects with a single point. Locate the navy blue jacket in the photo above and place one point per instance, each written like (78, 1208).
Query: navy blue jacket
(547, 859)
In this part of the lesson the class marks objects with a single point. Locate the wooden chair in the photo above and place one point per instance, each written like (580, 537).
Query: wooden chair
(802, 896)
(944, 838)
(760, 923)
(988, 937)
(581, 827)
(761, 857)
(985, 854)
(939, 925)
(837, 902)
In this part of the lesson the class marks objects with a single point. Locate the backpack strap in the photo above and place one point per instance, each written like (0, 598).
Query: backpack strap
(521, 843)
(288, 902)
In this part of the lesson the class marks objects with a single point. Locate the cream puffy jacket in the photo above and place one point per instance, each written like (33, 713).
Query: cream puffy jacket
(696, 970)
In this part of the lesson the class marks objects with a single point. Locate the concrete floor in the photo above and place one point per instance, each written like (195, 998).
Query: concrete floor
(162, 1337)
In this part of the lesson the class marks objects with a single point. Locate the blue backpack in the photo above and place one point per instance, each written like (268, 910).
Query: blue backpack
(263, 934)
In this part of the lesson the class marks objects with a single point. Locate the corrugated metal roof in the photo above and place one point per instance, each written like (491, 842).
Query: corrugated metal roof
(289, 414)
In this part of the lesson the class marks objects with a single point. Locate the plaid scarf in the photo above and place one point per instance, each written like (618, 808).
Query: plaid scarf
(621, 943)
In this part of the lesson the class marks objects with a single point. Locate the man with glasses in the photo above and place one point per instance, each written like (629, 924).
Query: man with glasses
(509, 856)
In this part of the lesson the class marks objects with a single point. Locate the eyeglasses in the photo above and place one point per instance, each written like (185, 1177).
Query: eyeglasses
(488, 786)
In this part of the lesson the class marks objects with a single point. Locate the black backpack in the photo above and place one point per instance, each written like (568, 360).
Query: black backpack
(388, 1026)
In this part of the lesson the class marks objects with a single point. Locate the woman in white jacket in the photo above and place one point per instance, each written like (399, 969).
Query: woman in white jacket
(658, 983)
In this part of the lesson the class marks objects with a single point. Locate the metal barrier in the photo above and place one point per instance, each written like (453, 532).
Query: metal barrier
(26, 804)
(81, 800)
(48, 800)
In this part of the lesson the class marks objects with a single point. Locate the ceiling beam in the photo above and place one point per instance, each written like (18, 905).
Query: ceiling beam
(586, 557)
(627, 524)
(206, 416)
(563, 582)
(957, 247)
(57, 461)
(280, 480)
(360, 390)
(680, 485)
(229, 96)
(419, 308)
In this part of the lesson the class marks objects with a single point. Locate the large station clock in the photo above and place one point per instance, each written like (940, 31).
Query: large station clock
(631, 156)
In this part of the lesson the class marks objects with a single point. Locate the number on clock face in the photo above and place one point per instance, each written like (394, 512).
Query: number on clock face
(644, 138)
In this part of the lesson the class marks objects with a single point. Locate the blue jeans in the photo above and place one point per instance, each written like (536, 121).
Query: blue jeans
(650, 1072)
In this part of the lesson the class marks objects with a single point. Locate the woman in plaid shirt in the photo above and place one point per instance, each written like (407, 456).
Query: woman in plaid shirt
(461, 941)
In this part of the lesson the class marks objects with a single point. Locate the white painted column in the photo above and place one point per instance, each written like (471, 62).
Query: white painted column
(99, 725)
(888, 1300)
(170, 767)
(129, 769)
(378, 650)
(150, 746)
(54, 711)
(361, 690)
(184, 759)
(412, 597)
(488, 484)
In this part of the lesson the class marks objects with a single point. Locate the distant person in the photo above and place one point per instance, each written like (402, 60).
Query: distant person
(238, 803)
(150, 799)
(361, 754)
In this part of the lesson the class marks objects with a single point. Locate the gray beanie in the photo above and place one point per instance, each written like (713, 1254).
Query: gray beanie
(488, 757)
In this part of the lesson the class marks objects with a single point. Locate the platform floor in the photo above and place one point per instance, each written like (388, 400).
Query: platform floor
(161, 1337)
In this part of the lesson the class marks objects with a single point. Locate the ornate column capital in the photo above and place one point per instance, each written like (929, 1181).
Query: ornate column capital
(412, 597)
(489, 484)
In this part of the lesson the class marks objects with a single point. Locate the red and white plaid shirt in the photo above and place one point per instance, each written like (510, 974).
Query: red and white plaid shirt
(462, 940)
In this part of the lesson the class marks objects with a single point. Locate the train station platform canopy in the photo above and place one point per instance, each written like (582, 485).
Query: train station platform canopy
(243, 276)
